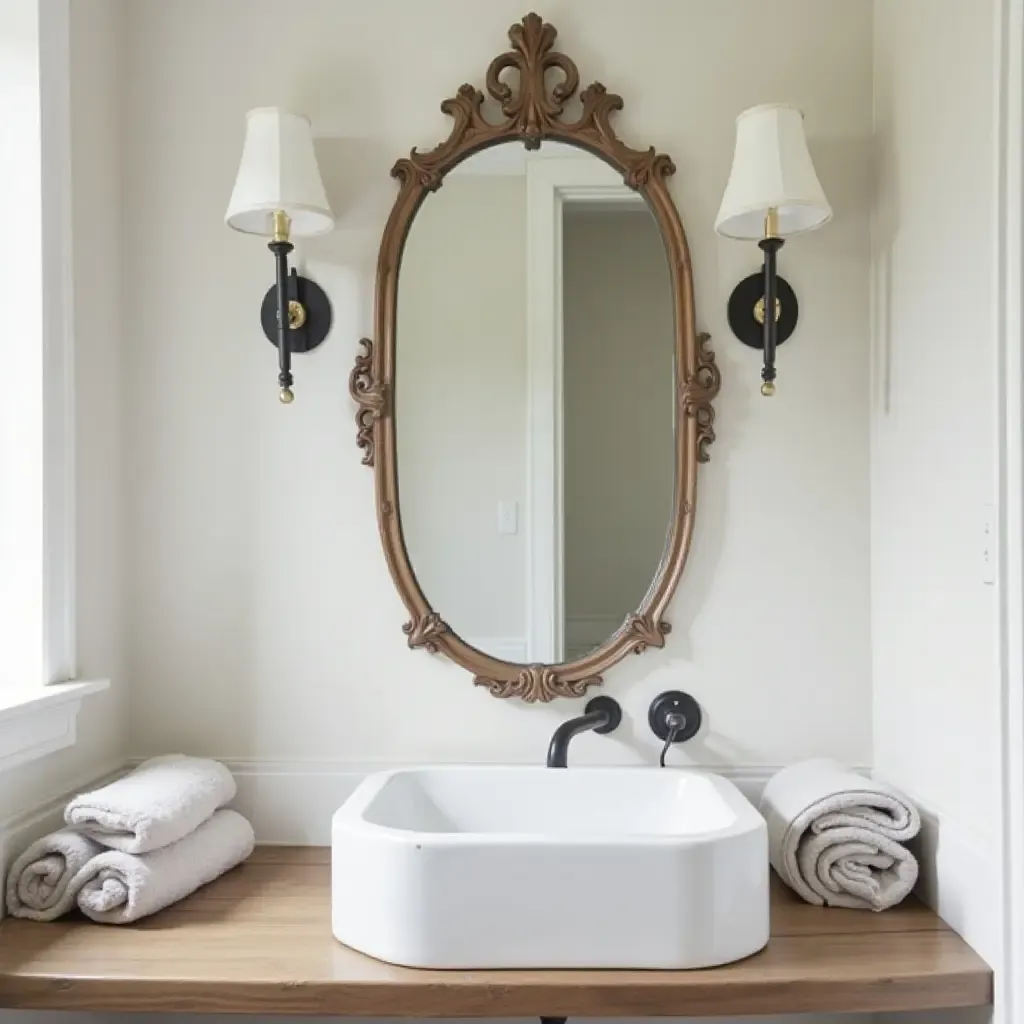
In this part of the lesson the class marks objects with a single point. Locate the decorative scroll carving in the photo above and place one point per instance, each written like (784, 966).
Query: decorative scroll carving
(533, 112)
(532, 83)
(533, 106)
(647, 632)
(424, 631)
(538, 684)
(370, 395)
(698, 393)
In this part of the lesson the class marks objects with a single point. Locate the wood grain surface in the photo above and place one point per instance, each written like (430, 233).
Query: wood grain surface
(259, 940)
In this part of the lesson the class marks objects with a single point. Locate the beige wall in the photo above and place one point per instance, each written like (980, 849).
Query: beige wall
(461, 402)
(934, 461)
(261, 619)
(937, 673)
(618, 416)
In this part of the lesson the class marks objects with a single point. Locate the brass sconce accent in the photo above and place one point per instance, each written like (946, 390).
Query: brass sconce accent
(309, 320)
(759, 310)
(746, 312)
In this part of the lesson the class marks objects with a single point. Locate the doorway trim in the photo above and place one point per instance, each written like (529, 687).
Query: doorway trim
(551, 184)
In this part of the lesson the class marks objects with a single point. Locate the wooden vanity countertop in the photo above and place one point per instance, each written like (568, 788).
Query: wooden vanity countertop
(259, 940)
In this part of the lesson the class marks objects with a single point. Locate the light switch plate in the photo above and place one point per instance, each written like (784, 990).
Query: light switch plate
(508, 517)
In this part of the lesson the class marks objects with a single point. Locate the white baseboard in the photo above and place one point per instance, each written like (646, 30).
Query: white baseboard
(20, 830)
(960, 880)
(291, 802)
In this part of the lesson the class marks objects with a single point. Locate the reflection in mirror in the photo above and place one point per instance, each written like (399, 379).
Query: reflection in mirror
(534, 401)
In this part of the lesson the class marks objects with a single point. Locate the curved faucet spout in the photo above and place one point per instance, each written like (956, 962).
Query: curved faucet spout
(602, 714)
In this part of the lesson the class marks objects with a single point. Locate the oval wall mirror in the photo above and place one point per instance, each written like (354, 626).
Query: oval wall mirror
(537, 399)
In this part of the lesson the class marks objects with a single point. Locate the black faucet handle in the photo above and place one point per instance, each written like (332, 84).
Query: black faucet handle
(674, 714)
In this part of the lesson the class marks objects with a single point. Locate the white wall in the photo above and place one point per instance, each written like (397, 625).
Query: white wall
(261, 621)
(934, 440)
(460, 402)
(619, 430)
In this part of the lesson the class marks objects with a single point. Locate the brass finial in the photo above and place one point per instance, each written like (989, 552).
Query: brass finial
(768, 389)
(286, 396)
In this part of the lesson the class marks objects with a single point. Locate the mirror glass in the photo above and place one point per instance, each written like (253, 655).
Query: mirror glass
(535, 401)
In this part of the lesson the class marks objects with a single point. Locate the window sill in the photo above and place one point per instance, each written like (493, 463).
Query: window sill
(38, 720)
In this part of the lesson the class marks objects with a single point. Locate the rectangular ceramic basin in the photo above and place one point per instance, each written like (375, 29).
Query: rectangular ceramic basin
(506, 867)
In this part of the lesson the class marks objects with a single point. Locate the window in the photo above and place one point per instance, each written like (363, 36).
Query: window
(36, 412)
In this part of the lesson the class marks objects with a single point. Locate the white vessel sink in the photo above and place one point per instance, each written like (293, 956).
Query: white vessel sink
(506, 867)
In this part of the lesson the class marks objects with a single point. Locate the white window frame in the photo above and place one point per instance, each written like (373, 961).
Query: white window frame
(59, 655)
(38, 715)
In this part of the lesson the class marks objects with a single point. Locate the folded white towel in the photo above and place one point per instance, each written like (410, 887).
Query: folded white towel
(42, 884)
(117, 887)
(163, 800)
(836, 838)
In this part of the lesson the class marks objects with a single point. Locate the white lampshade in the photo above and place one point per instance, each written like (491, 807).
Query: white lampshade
(771, 168)
(278, 172)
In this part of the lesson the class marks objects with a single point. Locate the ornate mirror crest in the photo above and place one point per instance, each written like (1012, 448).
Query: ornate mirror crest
(533, 113)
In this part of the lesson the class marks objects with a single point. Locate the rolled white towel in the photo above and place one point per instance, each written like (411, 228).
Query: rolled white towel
(42, 882)
(837, 838)
(117, 887)
(163, 800)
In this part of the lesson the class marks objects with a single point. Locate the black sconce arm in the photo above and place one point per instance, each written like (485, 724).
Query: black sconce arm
(296, 314)
(280, 249)
(770, 247)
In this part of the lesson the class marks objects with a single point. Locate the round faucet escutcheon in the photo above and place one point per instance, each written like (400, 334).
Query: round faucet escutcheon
(674, 714)
(610, 706)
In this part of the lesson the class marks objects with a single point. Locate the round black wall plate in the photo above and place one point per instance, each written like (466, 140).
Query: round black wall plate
(744, 299)
(318, 314)
(611, 706)
(674, 702)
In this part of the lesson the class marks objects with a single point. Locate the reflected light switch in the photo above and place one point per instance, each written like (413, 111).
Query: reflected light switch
(508, 517)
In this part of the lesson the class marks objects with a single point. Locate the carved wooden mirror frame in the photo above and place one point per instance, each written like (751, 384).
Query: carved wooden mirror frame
(533, 113)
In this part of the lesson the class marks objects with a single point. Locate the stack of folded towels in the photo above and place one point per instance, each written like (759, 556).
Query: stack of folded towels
(135, 846)
(837, 838)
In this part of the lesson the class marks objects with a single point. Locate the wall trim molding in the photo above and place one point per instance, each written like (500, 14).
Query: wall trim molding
(549, 185)
(19, 830)
(41, 720)
(59, 614)
(959, 878)
(1010, 574)
(290, 802)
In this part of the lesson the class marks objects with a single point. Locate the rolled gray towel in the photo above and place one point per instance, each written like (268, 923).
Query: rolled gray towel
(164, 799)
(117, 887)
(838, 838)
(42, 883)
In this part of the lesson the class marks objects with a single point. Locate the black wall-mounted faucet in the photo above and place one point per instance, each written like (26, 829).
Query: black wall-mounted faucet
(602, 714)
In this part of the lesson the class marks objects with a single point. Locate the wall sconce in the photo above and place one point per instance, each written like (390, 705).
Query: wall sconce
(279, 194)
(772, 193)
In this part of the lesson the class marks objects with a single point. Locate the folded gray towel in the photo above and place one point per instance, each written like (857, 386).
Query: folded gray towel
(117, 887)
(42, 883)
(164, 799)
(837, 838)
